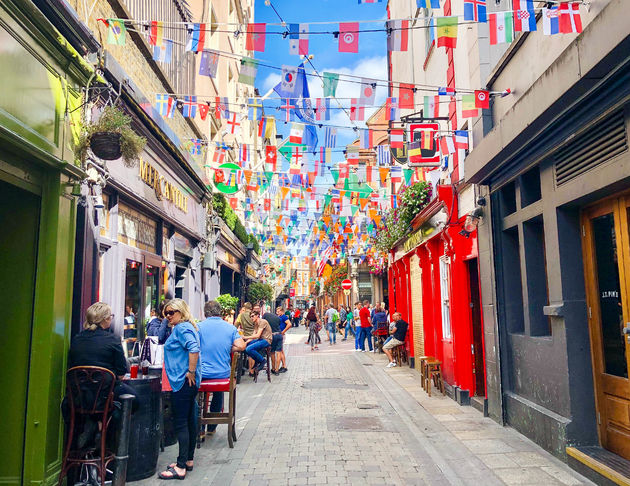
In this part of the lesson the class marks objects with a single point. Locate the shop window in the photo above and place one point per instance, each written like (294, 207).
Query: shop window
(135, 229)
(104, 221)
(512, 285)
(132, 333)
(530, 187)
(445, 271)
(151, 287)
(507, 196)
(364, 284)
(536, 268)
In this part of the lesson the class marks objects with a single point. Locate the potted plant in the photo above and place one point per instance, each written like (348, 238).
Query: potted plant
(111, 137)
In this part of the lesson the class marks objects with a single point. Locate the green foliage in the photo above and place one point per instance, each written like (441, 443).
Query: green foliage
(396, 223)
(112, 120)
(226, 213)
(227, 302)
(260, 291)
(333, 283)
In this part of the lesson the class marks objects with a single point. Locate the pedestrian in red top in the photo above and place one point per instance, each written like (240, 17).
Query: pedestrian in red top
(366, 326)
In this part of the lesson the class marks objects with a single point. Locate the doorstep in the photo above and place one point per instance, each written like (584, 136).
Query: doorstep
(599, 465)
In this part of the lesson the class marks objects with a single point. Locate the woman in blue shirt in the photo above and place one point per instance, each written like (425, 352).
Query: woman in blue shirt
(181, 356)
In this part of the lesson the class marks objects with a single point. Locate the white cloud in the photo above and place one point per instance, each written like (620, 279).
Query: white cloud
(269, 82)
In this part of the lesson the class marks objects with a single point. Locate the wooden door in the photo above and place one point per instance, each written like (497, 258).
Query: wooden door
(607, 274)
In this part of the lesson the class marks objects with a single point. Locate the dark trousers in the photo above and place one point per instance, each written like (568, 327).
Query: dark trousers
(216, 405)
(184, 403)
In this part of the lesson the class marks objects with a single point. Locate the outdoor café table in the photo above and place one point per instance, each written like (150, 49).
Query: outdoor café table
(145, 429)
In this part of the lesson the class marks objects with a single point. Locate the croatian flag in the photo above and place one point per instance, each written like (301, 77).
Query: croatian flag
(524, 15)
(551, 24)
(475, 10)
(322, 109)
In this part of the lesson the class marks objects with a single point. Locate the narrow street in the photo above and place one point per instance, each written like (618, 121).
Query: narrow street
(340, 417)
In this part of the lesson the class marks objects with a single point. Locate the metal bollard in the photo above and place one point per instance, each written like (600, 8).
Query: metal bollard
(122, 448)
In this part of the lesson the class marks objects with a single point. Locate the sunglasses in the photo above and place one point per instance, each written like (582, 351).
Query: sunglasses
(170, 313)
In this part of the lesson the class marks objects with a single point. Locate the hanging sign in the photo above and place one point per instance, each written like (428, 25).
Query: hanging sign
(229, 185)
(428, 157)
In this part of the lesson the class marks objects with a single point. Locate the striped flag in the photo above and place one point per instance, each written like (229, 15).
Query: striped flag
(156, 37)
(330, 137)
(164, 52)
(396, 138)
(365, 139)
(397, 35)
(392, 113)
(383, 155)
(324, 260)
(196, 37)
(500, 26)
(431, 107)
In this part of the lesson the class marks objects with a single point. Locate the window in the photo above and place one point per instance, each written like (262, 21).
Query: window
(445, 270)
(512, 284)
(536, 270)
(530, 187)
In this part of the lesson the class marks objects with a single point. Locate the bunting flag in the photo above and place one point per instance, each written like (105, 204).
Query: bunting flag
(204, 108)
(266, 127)
(296, 160)
(190, 107)
(288, 107)
(447, 145)
(368, 92)
(397, 35)
(255, 109)
(165, 105)
(298, 39)
(461, 139)
(432, 4)
(209, 63)
(196, 37)
(447, 31)
(256, 34)
(221, 108)
(396, 138)
(392, 112)
(383, 155)
(249, 69)
(330, 137)
(365, 139)
(322, 109)
(234, 124)
(271, 156)
(164, 52)
(446, 91)
(414, 151)
(475, 10)
(524, 15)
(357, 112)
(195, 146)
(349, 37)
(116, 32)
(469, 106)
(297, 133)
(431, 107)
(156, 33)
(405, 96)
(288, 81)
(218, 157)
(330, 84)
(551, 22)
(482, 99)
(570, 20)
(500, 26)
(426, 139)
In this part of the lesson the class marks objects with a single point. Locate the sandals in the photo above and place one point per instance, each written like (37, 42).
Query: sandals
(188, 468)
(173, 475)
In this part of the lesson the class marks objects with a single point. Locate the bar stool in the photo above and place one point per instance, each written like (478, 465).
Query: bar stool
(399, 354)
(434, 373)
(267, 366)
(423, 372)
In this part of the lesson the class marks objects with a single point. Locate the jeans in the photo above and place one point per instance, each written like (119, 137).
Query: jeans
(332, 329)
(348, 328)
(358, 334)
(366, 332)
(216, 405)
(253, 349)
(184, 403)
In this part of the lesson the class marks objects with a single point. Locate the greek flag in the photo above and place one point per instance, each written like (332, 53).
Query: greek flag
(383, 155)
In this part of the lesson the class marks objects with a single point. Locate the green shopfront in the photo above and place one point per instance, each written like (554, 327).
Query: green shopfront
(41, 78)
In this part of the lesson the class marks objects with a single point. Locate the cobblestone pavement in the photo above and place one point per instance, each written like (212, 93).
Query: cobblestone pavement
(340, 417)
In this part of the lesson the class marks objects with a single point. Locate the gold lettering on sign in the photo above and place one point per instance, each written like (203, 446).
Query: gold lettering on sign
(163, 189)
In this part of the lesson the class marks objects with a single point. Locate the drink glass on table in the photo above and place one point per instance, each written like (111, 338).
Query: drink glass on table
(133, 372)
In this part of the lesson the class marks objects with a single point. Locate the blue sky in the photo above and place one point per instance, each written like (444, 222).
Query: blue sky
(371, 60)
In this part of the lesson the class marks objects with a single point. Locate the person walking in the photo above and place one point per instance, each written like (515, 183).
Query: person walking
(366, 326)
(313, 328)
(331, 318)
(357, 327)
(181, 359)
(349, 327)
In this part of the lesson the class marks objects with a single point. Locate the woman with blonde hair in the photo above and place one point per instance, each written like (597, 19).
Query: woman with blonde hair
(181, 356)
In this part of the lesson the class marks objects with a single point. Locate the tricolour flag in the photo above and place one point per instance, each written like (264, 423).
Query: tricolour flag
(196, 37)
(392, 112)
(461, 139)
(116, 32)
(221, 108)
(501, 27)
(266, 127)
(249, 69)
(349, 37)
(330, 137)
(397, 35)
(475, 10)
(163, 53)
(255, 40)
(431, 107)
(447, 31)
(297, 133)
(469, 107)
(366, 139)
(156, 35)
(208, 63)
(298, 39)
(322, 109)
(396, 138)
(570, 20)
(524, 15)
(551, 23)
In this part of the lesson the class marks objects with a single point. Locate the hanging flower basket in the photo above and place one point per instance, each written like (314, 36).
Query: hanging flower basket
(106, 145)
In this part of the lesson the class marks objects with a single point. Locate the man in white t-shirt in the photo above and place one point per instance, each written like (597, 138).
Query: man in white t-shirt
(331, 324)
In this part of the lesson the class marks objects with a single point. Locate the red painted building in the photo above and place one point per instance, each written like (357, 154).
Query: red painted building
(433, 279)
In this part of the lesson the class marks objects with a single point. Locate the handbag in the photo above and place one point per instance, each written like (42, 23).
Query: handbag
(166, 385)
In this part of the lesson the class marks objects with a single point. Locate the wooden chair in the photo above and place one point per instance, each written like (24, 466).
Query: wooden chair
(434, 374)
(422, 360)
(206, 417)
(267, 367)
(399, 354)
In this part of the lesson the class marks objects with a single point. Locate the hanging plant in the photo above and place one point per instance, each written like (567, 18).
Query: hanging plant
(110, 138)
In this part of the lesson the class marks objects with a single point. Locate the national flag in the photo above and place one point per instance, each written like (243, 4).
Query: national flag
(357, 112)
(255, 40)
(447, 31)
(330, 83)
(203, 108)
(288, 86)
(446, 91)
(244, 155)
(271, 156)
(209, 63)
(190, 107)
(366, 138)
(234, 124)
(368, 92)
(551, 22)
(383, 155)
(475, 10)
(298, 39)
(296, 160)
(324, 260)
(196, 37)
(500, 26)
(524, 15)
(164, 104)
(405, 96)
(447, 145)
(254, 109)
(219, 156)
(570, 20)
(431, 107)
(349, 37)
(352, 154)
(397, 35)
(396, 138)
(322, 109)
(482, 99)
(392, 112)
(116, 32)
(461, 139)
(288, 107)
(266, 126)
(156, 35)
(414, 150)
(163, 53)
(425, 4)
(249, 69)
(330, 137)
(195, 146)
(426, 139)
(469, 106)
(221, 108)
(297, 132)
(395, 174)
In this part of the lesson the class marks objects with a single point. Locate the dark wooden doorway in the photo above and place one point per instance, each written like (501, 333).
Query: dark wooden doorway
(479, 368)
